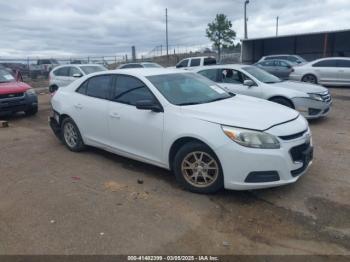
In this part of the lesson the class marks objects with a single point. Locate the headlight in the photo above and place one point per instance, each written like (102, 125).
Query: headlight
(253, 139)
(316, 97)
(30, 91)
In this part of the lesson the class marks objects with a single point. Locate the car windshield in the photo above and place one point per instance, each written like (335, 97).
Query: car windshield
(5, 76)
(151, 65)
(92, 69)
(187, 89)
(262, 75)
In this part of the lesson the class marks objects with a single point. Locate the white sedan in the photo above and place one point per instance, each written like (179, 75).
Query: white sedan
(183, 122)
(312, 101)
(331, 71)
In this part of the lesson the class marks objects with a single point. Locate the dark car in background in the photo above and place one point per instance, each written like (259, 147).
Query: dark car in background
(294, 59)
(16, 96)
(277, 67)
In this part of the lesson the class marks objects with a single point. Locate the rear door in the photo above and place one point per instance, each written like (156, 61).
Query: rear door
(327, 71)
(90, 110)
(138, 133)
(283, 69)
(344, 71)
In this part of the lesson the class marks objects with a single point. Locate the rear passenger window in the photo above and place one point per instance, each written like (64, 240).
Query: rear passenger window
(129, 90)
(210, 74)
(99, 86)
(343, 63)
(209, 61)
(326, 63)
(195, 62)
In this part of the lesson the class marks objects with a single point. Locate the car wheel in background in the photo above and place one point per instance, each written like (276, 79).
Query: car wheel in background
(282, 101)
(71, 136)
(309, 79)
(53, 89)
(32, 111)
(197, 169)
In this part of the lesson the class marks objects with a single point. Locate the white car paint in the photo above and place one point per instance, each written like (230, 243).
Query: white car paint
(336, 73)
(75, 72)
(148, 136)
(296, 92)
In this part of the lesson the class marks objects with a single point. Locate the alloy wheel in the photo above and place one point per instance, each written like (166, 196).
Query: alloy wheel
(200, 169)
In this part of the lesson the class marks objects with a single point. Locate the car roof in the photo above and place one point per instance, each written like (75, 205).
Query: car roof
(142, 72)
(332, 58)
(78, 65)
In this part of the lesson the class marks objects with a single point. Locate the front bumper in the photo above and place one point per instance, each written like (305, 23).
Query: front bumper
(18, 103)
(248, 168)
(312, 109)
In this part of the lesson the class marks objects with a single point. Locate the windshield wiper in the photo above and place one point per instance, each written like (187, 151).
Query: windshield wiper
(189, 103)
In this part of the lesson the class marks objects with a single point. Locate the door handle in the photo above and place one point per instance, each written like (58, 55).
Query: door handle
(78, 106)
(114, 115)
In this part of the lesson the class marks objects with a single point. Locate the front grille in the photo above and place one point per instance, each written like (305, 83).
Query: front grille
(297, 152)
(15, 95)
(294, 136)
(303, 154)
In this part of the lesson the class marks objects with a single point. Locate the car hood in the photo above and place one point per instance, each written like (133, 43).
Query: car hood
(301, 86)
(242, 111)
(13, 88)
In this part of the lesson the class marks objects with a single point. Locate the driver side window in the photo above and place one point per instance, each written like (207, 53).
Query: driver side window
(230, 76)
(129, 90)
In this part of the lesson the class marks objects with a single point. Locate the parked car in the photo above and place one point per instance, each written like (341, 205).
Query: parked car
(295, 59)
(334, 71)
(183, 122)
(196, 61)
(16, 96)
(140, 65)
(64, 75)
(279, 68)
(43, 67)
(312, 101)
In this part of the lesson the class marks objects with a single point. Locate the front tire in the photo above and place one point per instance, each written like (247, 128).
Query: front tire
(53, 89)
(71, 136)
(309, 79)
(31, 112)
(197, 169)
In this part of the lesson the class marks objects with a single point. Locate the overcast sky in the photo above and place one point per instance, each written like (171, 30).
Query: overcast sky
(107, 27)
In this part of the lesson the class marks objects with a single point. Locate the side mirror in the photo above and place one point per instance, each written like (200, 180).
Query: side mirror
(249, 83)
(77, 75)
(149, 105)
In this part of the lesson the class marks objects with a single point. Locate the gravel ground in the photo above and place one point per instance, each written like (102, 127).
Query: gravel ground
(53, 201)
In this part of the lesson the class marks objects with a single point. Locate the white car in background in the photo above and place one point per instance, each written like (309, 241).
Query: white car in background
(332, 71)
(181, 121)
(64, 75)
(140, 65)
(312, 101)
(191, 62)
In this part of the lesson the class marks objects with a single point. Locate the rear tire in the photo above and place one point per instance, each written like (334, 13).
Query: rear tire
(282, 101)
(31, 112)
(71, 136)
(309, 78)
(197, 169)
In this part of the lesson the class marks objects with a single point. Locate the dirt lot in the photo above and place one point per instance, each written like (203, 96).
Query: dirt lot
(53, 201)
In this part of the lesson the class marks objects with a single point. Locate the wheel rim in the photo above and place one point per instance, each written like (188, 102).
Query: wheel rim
(200, 169)
(70, 135)
(310, 79)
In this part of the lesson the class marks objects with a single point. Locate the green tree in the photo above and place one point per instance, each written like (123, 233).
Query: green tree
(220, 32)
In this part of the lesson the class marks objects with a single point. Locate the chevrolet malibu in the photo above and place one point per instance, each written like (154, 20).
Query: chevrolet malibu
(183, 122)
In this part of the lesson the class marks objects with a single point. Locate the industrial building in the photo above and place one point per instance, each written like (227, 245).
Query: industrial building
(310, 46)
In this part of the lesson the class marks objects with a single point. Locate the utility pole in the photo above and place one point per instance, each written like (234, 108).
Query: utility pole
(245, 19)
(166, 30)
(277, 19)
